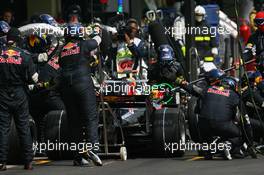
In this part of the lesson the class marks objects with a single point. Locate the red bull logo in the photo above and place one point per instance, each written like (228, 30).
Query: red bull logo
(70, 46)
(11, 53)
(70, 49)
(13, 57)
(219, 91)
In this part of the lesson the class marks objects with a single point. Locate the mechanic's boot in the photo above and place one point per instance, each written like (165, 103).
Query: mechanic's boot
(28, 166)
(95, 158)
(81, 162)
(252, 152)
(260, 148)
(238, 153)
(227, 154)
(3, 167)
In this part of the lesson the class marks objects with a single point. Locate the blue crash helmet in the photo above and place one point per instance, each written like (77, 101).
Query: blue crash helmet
(214, 75)
(165, 53)
(4, 28)
(230, 83)
(46, 18)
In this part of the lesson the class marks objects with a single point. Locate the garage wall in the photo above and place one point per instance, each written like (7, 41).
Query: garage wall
(52, 7)
(138, 7)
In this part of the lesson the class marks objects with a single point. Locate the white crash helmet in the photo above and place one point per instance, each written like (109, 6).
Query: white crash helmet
(199, 13)
(199, 10)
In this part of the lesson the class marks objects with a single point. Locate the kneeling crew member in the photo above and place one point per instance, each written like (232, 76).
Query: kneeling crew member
(219, 105)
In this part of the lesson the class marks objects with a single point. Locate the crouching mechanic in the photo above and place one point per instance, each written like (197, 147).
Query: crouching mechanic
(219, 104)
(16, 71)
(42, 98)
(78, 93)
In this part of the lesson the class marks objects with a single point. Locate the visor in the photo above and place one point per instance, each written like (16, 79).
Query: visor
(259, 21)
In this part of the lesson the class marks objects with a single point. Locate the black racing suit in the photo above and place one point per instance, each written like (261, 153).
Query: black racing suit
(48, 73)
(77, 90)
(204, 41)
(16, 69)
(255, 46)
(45, 99)
(256, 117)
(217, 114)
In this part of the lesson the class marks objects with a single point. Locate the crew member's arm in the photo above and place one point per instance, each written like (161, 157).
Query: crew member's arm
(258, 98)
(250, 49)
(39, 57)
(192, 89)
(138, 51)
(30, 68)
(91, 44)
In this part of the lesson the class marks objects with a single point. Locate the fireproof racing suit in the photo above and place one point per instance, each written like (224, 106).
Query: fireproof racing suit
(204, 41)
(217, 114)
(16, 69)
(256, 119)
(255, 47)
(48, 74)
(77, 90)
(44, 99)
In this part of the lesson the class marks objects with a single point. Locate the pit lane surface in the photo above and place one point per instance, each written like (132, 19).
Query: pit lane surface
(188, 165)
